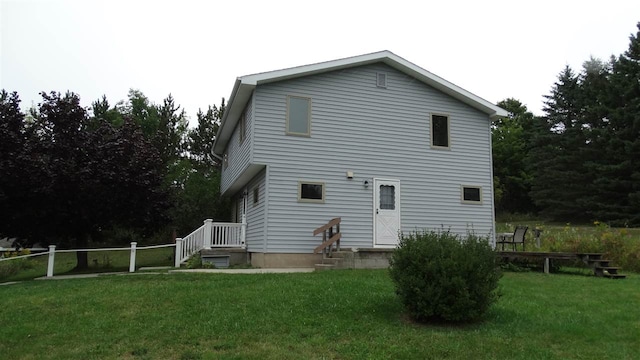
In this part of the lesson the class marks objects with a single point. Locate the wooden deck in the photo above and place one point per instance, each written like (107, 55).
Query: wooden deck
(596, 261)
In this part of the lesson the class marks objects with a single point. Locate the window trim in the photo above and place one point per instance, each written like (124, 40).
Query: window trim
(243, 127)
(316, 201)
(464, 201)
(286, 128)
(438, 147)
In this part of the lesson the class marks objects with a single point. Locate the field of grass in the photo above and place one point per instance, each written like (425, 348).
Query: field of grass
(621, 245)
(325, 315)
(99, 262)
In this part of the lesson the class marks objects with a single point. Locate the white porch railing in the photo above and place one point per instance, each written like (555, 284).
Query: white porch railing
(211, 235)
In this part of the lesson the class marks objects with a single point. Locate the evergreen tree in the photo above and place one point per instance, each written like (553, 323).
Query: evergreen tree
(560, 173)
(622, 181)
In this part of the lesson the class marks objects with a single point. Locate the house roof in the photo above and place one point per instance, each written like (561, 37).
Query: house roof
(244, 86)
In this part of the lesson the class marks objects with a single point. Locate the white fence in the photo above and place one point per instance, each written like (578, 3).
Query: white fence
(52, 254)
(211, 235)
(208, 236)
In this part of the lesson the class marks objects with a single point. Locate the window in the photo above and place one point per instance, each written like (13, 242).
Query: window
(387, 197)
(381, 80)
(439, 131)
(298, 116)
(471, 194)
(309, 191)
(225, 161)
(243, 127)
(256, 195)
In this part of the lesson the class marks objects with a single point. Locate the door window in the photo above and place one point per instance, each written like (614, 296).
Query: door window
(387, 197)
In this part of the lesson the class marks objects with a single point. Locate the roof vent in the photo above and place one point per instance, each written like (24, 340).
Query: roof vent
(381, 80)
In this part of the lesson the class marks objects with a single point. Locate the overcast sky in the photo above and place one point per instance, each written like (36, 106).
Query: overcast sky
(195, 49)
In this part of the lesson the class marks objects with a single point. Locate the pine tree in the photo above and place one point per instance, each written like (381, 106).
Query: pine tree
(560, 178)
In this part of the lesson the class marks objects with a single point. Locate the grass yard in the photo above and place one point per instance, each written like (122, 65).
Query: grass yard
(350, 314)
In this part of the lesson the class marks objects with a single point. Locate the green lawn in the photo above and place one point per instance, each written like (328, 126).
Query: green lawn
(350, 314)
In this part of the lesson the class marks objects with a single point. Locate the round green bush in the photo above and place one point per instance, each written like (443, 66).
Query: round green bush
(440, 276)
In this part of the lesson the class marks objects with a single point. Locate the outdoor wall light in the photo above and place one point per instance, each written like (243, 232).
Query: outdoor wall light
(349, 174)
(365, 184)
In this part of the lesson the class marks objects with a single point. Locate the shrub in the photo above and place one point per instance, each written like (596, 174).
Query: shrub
(443, 277)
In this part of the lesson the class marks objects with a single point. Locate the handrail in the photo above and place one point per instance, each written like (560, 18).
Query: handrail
(329, 236)
(330, 224)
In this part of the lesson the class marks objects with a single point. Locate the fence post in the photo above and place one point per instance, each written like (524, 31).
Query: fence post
(178, 252)
(207, 233)
(52, 255)
(243, 230)
(132, 259)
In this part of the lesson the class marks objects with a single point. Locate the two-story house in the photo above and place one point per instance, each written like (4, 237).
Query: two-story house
(373, 139)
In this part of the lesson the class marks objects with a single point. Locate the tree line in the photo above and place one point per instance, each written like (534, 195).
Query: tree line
(80, 177)
(580, 161)
(135, 171)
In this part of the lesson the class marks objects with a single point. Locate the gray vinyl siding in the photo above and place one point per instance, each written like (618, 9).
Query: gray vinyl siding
(376, 133)
(256, 214)
(239, 154)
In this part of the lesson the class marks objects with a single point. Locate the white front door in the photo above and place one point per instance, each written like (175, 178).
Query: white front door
(386, 212)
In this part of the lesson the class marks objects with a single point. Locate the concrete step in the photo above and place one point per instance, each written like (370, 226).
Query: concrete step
(324, 267)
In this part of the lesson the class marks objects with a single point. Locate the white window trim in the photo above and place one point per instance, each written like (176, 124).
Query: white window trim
(448, 131)
(462, 187)
(317, 201)
(286, 129)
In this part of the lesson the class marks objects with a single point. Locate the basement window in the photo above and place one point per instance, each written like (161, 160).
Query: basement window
(310, 191)
(471, 194)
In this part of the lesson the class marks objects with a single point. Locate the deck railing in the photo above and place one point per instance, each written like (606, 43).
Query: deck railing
(211, 235)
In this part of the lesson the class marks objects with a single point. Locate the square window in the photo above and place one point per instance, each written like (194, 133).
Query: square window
(471, 194)
(440, 131)
(298, 116)
(309, 191)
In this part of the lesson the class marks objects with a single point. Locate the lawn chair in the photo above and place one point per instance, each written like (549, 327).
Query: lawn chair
(518, 236)
(514, 239)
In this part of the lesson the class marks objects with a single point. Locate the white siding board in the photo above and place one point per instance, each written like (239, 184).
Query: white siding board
(374, 132)
(239, 154)
(256, 214)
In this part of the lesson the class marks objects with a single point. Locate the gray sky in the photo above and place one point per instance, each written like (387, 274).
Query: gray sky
(195, 49)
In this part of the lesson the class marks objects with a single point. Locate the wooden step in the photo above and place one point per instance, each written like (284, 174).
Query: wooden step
(615, 276)
(599, 262)
(605, 270)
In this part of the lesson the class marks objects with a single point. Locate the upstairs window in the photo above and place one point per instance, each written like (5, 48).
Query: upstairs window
(298, 116)
(381, 80)
(243, 127)
(440, 131)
